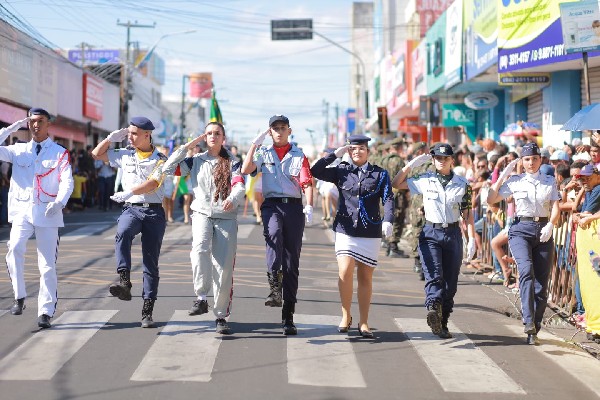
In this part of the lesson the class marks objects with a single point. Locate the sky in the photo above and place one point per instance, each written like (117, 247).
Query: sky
(254, 76)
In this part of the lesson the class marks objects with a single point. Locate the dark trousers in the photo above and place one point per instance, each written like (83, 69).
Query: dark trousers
(105, 188)
(441, 257)
(4, 205)
(151, 223)
(283, 227)
(533, 260)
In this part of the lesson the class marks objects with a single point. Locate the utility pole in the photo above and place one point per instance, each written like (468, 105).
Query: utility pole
(337, 118)
(182, 115)
(126, 80)
(83, 46)
(326, 114)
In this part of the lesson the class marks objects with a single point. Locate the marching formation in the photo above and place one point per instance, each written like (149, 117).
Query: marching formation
(372, 204)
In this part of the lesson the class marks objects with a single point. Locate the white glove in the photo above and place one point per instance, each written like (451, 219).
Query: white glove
(471, 248)
(260, 138)
(121, 197)
(546, 232)
(118, 136)
(508, 170)
(418, 161)
(340, 151)
(308, 211)
(53, 208)
(386, 229)
(5, 132)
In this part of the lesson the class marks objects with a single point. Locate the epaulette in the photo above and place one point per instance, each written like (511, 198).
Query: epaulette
(60, 145)
(162, 156)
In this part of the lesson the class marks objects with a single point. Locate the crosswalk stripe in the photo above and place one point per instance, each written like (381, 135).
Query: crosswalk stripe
(457, 364)
(83, 232)
(577, 363)
(244, 231)
(2, 312)
(319, 356)
(179, 233)
(185, 350)
(42, 355)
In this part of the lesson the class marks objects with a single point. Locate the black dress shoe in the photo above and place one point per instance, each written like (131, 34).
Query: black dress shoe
(532, 339)
(345, 329)
(366, 334)
(44, 321)
(18, 306)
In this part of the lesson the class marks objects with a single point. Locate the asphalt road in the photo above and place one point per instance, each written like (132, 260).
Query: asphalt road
(96, 349)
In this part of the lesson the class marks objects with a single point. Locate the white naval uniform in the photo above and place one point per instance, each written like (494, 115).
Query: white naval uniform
(36, 181)
(214, 231)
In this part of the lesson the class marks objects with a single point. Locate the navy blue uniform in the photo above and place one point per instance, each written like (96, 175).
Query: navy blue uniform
(358, 212)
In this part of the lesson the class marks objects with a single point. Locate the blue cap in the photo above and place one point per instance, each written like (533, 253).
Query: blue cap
(358, 139)
(38, 111)
(547, 169)
(142, 123)
(441, 149)
(530, 149)
(588, 170)
(279, 118)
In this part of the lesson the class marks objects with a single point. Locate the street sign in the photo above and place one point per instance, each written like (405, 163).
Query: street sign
(291, 29)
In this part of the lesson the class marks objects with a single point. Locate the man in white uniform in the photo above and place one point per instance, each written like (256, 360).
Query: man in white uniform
(40, 186)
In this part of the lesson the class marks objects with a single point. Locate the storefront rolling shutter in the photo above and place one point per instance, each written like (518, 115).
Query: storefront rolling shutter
(594, 74)
(535, 108)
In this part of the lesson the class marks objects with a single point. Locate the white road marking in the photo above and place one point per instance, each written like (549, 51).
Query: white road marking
(330, 235)
(41, 356)
(457, 364)
(185, 350)
(245, 230)
(83, 232)
(2, 312)
(579, 364)
(320, 356)
(179, 233)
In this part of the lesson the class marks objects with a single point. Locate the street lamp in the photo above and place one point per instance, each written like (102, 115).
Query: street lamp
(144, 60)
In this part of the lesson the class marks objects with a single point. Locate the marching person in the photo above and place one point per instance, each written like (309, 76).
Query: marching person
(530, 236)
(143, 213)
(285, 175)
(40, 187)
(446, 198)
(358, 225)
(218, 188)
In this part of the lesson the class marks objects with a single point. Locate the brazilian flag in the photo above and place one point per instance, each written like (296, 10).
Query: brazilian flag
(215, 111)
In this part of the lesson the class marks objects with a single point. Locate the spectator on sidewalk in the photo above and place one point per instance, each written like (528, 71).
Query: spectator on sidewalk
(76, 201)
(105, 183)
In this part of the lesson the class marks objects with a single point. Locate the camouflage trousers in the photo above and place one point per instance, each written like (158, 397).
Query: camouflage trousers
(400, 206)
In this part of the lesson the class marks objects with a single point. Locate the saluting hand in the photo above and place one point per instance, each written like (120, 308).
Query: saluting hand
(418, 161)
(340, 151)
(508, 170)
(260, 138)
(117, 136)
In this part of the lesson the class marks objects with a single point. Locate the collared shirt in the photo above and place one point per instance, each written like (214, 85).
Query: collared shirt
(442, 205)
(105, 170)
(137, 171)
(280, 178)
(533, 194)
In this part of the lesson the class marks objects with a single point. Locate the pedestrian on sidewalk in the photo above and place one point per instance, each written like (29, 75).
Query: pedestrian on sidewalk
(40, 186)
(141, 163)
(218, 188)
(530, 236)
(358, 226)
(446, 198)
(285, 176)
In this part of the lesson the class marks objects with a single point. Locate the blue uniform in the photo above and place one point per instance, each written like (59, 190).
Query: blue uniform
(440, 241)
(141, 214)
(533, 195)
(358, 212)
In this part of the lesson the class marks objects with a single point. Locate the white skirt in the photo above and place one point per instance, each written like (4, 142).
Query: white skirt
(364, 250)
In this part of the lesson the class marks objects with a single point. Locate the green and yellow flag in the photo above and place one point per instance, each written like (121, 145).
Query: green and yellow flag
(215, 112)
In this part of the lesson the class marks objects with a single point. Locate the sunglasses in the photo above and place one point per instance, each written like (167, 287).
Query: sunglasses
(481, 166)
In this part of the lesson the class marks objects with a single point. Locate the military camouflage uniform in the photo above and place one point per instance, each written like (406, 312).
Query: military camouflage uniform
(416, 215)
(393, 164)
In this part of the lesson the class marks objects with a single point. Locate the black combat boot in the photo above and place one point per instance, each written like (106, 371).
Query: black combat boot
(122, 290)
(18, 306)
(147, 309)
(395, 252)
(275, 283)
(434, 317)
(287, 318)
(445, 333)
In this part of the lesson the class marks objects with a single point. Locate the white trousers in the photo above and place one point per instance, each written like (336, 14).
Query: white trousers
(214, 245)
(47, 247)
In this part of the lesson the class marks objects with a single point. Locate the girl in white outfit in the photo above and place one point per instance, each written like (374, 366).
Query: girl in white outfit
(218, 188)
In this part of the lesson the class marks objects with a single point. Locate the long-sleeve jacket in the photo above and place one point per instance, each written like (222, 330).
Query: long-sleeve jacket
(200, 168)
(358, 212)
(37, 179)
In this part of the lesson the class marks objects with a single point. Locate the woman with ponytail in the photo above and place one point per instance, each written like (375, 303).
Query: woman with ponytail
(218, 188)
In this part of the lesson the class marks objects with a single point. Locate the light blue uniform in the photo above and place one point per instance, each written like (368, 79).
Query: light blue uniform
(533, 195)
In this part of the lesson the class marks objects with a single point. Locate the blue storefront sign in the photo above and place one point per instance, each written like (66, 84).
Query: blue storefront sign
(94, 56)
(481, 34)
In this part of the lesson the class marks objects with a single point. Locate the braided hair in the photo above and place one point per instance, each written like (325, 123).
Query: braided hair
(222, 173)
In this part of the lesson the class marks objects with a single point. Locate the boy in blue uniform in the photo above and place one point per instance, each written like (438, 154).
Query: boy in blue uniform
(143, 213)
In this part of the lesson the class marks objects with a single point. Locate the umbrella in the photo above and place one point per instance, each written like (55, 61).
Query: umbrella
(588, 118)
